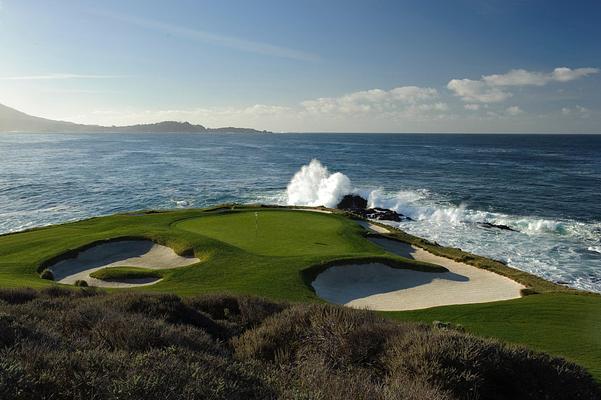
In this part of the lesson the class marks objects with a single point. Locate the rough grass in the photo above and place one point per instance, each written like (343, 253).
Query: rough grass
(83, 343)
(119, 273)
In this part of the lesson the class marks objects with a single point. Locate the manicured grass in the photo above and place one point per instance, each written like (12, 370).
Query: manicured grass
(117, 273)
(236, 256)
(280, 233)
(277, 253)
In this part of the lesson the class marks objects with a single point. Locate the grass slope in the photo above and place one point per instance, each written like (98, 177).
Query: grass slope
(561, 324)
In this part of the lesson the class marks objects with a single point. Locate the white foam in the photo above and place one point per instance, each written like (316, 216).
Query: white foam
(595, 249)
(314, 186)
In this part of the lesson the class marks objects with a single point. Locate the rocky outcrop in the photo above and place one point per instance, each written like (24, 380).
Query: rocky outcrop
(351, 202)
(490, 225)
(358, 205)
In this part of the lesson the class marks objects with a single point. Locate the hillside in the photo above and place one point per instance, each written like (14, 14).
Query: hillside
(12, 120)
(76, 344)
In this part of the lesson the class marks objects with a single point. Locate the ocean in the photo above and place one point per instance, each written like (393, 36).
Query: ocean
(546, 187)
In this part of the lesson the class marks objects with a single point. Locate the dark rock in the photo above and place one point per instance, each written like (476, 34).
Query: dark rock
(497, 226)
(382, 214)
(352, 202)
(358, 205)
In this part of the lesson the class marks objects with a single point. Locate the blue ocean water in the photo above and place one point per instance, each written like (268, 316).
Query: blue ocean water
(548, 187)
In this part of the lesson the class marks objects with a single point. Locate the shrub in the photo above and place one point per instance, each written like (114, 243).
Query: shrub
(66, 344)
(18, 296)
(47, 274)
(81, 283)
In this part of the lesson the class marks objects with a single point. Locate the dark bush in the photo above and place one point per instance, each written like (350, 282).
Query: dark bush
(64, 343)
(244, 310)
(47, 274)
(18, 296)
(167, 307)
(81, 283)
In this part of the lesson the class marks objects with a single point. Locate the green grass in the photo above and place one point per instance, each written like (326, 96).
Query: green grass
(277, 254)
(563, 324)
(280, 233)
(237, 257)
(117, 273)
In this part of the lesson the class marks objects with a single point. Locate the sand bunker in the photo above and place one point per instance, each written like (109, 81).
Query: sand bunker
(373, 227)
(123, 253)
(380, 287)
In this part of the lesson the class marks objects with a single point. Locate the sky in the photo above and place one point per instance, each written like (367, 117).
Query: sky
(514, 66)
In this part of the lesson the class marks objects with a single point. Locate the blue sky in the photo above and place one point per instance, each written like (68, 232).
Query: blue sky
(373, 66)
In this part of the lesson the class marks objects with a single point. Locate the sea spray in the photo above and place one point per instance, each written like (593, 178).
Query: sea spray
(313, 185)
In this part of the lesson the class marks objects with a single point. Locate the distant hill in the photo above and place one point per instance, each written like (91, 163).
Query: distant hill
(12, 120)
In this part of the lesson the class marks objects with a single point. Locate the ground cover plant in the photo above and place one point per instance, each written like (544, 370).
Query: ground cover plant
(84, 343)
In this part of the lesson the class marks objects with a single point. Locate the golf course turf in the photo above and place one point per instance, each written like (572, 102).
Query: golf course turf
(276, 253)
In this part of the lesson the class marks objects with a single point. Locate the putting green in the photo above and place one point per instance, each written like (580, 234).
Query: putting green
(281, 233)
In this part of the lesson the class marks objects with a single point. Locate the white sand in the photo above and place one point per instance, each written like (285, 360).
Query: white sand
(373, 227)
(380, 287)
(129, 253)
(313, 210)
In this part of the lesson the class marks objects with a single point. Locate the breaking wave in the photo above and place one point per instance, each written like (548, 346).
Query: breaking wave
(313, 185)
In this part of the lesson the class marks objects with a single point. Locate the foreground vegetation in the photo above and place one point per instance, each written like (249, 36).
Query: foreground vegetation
(276, 253)
(82, 343)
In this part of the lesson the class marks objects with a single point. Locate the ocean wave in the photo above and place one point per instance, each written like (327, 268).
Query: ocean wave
(314, 185)
(595, 249)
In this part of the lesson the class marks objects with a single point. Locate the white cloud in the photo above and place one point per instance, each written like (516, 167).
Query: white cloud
(60, 76)
(564, 74)
(578, 111)
(472, 107)
(516, 77)
(376, 100)
(489, 88)
(470, 90)
(514, 110)
(522, 77)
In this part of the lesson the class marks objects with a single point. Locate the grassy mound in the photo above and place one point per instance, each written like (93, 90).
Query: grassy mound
(66, 344)
(121, 273)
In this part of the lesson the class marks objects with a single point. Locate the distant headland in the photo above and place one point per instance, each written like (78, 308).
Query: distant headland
(12, 120)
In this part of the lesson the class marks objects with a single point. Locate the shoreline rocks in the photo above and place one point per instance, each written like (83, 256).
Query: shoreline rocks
(358, 205)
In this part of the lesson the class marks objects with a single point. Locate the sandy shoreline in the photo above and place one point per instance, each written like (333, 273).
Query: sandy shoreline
(129, 253)
(380, 287)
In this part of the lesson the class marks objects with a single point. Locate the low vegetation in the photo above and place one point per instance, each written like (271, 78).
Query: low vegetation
(83, 343)
(121, 273)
